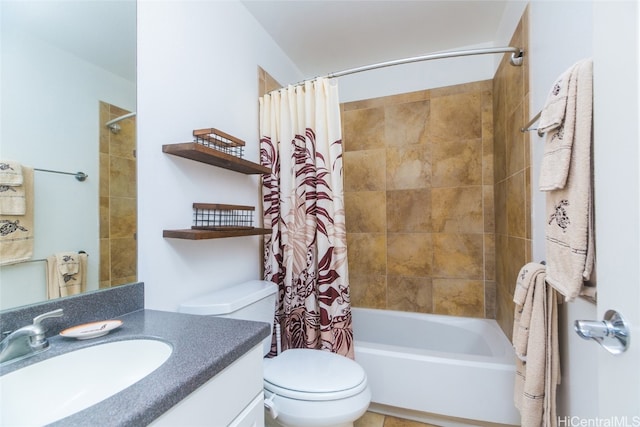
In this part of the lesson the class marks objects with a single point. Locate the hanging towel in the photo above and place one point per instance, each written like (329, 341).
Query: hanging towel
(66, 274)
(524, 300)
(557, 121)
(11, 173)
(68, 263)
(12, 200)
(12, 196)
(535, 338)
(16, 231)
(569, 209)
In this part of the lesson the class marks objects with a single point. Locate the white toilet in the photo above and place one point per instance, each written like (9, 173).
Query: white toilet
(302, 387)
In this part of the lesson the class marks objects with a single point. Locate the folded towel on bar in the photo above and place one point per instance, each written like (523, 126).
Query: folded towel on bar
(535, 338)
(67, 262)
(10, 173)
(66, 274)
(523, 297)
(557, 121)
(555, 106)
(12, 200)
(16, 231)
(570, 250)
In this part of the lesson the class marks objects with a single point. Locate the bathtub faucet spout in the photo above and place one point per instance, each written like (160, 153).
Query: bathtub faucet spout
(612, 333)
(588, 329)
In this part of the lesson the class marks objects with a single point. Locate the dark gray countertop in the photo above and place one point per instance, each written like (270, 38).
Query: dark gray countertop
(202, 347)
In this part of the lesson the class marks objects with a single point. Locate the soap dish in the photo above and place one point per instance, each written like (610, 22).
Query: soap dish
(91, 330)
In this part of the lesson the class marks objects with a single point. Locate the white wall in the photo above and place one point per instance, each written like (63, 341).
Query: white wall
(433, 74)
(418, 76)
(617, 189)
(510, 17)
(197, 68)
(561, 33)
(49, 120)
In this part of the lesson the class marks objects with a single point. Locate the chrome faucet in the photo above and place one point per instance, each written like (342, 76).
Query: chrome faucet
(612, 333)
(28, 340)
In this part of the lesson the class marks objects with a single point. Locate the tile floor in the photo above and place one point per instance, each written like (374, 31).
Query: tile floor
(371, 419)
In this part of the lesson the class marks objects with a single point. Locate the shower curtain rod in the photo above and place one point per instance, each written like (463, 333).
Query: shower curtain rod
(516, 59)
(113, 125)
(517, 56)
(118, 119)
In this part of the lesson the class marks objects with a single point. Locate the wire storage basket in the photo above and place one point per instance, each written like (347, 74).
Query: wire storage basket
(221, 141)
(212, 216)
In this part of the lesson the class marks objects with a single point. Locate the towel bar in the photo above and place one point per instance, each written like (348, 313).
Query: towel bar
(80, 176)
(44, 259)
(528, 128)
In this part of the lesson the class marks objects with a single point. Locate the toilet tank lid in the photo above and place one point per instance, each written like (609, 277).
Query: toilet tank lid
(229, 299)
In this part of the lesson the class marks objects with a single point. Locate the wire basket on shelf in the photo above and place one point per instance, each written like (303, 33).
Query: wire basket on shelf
(212, 216)
(221, 141)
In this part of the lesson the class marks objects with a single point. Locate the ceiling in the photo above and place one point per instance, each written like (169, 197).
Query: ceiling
(102, 32)
(322, 36)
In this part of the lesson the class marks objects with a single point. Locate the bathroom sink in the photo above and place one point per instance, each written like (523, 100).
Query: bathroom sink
(55, 388)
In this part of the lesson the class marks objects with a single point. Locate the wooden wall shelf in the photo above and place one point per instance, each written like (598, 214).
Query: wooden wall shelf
(191, 234)
(201, 151)
(211, 156)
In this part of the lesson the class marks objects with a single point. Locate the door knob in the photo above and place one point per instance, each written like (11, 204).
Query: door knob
(612, 333)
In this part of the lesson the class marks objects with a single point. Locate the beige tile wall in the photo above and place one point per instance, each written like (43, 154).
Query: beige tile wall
(266, 83)
(437, 192)
(512, 176)
(118, 199)
(419, 191)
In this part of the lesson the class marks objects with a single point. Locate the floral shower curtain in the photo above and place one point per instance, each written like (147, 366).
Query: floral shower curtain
(306, 253)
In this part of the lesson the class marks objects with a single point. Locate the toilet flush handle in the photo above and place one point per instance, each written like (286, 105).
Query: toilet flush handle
(270, 405)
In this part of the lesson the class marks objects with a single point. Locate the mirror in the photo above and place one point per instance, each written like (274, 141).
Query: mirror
(68, 68)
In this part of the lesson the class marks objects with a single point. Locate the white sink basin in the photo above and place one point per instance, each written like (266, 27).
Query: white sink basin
(63, 385)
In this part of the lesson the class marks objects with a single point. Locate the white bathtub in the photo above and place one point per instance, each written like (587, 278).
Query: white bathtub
(425, 365)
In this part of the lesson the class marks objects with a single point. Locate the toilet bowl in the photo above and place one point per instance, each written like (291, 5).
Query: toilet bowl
(314, 388)
(302, 387)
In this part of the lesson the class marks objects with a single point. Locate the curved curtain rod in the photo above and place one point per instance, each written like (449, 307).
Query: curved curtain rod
(113, 125)
(117, 119)
(516, 59)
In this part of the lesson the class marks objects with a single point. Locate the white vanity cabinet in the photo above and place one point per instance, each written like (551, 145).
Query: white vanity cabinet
(233, 397)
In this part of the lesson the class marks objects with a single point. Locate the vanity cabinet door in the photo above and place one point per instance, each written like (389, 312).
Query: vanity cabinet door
(234, 397)
(253, 415)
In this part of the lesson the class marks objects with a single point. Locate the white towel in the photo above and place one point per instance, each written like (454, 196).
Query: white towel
(569, 229)
(66, 274)
(12, 190)
(16, 231)
(10, 173)
(523, 297)
(557, 121)
(536, 332)
(68, 262)
(12, 200)
(555, 106)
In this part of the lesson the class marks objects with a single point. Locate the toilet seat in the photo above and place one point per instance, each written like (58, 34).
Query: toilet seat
(313, 375)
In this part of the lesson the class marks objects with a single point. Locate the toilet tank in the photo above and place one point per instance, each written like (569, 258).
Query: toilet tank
(253, 300)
